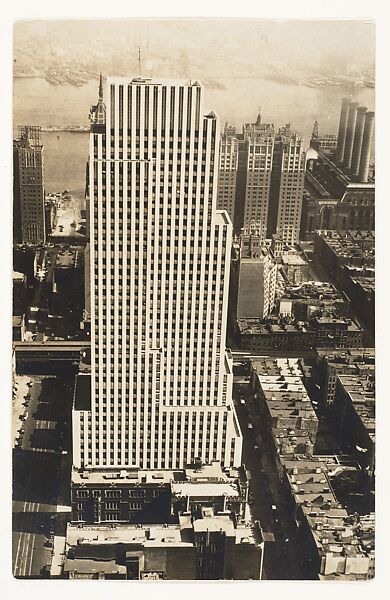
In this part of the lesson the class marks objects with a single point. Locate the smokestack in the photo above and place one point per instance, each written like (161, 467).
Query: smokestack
(342, 129)
(350, 134)
(357, 143)
(366, 147)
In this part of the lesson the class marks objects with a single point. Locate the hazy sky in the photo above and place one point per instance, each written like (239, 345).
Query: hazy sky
(340, 45)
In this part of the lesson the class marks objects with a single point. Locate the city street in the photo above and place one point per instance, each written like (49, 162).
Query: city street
(41, 474)
(281, 557)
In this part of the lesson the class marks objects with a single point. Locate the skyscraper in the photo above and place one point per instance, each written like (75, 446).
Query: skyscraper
(161, 378)
(261, 178)
(29, 194)
(287, 184)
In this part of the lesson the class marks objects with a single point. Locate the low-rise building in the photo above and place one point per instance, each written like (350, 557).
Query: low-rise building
(334, 544)
(310, 298)
(206, 546)
(333, 362)
(150, 496)
(287, 417)
(349, 257)
(324, 329)
(295, 267)
(354, 416)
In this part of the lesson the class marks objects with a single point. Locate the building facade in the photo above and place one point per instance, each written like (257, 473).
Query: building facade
(253, 276)
(340, 181)
(29, 194)
(287, 184)
(261, 178)
(161, 380)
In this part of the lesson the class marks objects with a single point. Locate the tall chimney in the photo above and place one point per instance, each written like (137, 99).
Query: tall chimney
(357, 142)
(342, 129)
(366, 147)
(350, 134)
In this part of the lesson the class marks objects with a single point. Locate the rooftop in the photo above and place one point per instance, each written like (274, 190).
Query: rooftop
(334, 531)
(203, 480)
(347, 356)
(87, 565)
(147, 535)
(361, 391)
(351, 246)
(265, 365)
(293, 260)
(16, 276)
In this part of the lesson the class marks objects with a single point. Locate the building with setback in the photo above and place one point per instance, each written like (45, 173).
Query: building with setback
(29, 193)
(261, 177)
(161, 380)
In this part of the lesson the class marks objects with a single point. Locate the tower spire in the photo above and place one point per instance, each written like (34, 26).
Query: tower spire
(314, 135)
(101, 88)
(258, 120)
(139, 61)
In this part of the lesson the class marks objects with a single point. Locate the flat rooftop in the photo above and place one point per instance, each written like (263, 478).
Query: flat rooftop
(87, 565)
(362, 395)
(16, 276)
(147, 535)
(193, 488)
(295, 260)
(347, 356)
(265, 366)
(204, 480)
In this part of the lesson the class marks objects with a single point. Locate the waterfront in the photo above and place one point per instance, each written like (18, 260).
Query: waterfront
(66, 152)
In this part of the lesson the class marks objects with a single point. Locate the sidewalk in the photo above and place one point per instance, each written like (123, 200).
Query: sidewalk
(58, 556)
(59, 540)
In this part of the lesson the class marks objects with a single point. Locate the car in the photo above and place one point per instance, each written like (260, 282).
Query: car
(250, 426)
(242, 401)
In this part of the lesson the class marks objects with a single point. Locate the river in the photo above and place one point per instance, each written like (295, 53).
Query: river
(37, 102)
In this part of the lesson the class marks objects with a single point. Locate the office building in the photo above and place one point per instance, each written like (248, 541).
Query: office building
(287, 183)
(253, 276)
(261, 178)
(29, 194)
(161, 379)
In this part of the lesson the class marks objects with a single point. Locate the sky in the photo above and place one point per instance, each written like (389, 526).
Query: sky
(218, 45)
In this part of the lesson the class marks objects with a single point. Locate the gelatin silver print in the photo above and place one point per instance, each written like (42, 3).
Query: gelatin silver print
(193, 354)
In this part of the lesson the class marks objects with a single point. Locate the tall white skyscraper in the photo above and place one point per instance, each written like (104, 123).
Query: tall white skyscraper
(161, 378)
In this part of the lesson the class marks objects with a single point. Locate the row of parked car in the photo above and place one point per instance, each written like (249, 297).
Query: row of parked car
(23, 417)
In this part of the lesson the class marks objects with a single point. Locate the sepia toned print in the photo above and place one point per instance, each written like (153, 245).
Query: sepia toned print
(193, 300)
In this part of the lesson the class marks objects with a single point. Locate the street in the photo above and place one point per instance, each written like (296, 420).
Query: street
(41, 474)
(281, 557)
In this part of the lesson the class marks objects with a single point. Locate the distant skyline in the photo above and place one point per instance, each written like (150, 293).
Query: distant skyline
(219, 47)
